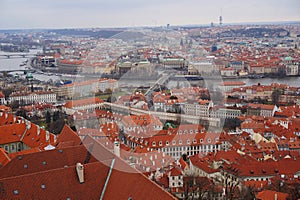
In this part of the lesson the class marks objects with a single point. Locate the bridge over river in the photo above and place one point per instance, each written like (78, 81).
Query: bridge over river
(17, 55)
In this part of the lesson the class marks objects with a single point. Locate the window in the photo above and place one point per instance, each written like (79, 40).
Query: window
(153, 143)
(12, 147)
(194, 141)
(19, 146)
(160, 143)
(209, 140)
(16, 192)
(6, 148)
(167, 142)
(188, 142)
(201, 140)
(173, 142)
(43, 186)
(180, 141)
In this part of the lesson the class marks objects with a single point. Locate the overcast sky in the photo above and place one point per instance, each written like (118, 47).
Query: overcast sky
(120, 13)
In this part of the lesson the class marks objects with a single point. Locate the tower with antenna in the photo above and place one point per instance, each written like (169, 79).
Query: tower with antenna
(221, 19)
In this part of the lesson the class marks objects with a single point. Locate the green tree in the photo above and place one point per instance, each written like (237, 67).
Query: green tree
(275, 96)
(111, 99)
(55, 116)
(48, 117)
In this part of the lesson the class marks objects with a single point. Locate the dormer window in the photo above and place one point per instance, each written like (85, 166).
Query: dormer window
(153, 143)
(173, 142)
(180, 141)
(194, 141)
(201, 140)
(160, 143)
(188, 141)
(167, 142)
(209, 140)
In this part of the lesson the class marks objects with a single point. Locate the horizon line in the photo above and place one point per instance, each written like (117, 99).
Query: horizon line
(157, 26)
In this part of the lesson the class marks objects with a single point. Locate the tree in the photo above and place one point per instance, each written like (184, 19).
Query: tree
(108, 91)
(55, 116)
(21, 112)
(111, 99)
(275, 96)
(173, 97)
(48, 117)
(196, 187)
(99, 92)
(232, 123)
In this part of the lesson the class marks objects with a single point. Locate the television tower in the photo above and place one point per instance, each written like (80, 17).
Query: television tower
(221, 19)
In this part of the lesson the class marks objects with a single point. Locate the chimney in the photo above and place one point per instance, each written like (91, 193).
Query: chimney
(47, 136)
(275, 196)
(79, 170)
(38, 130)
(117, 148)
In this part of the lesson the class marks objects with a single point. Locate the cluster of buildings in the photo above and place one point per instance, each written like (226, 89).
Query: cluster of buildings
(86, 169)
(235, 141)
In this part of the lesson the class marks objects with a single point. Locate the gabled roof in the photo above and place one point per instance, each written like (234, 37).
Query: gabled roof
(62, 182)
(4, 158)
(269, 194)
(45, 160)
(68, 135)
(175, 171)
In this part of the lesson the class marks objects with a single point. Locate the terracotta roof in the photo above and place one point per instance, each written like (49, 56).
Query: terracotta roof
(175, 171)
(5, 108)
(82, 102)
(233, 83)
(4, 158)
(62, 183)
(2, 95)
(67, 135)
(46, 160)
(202, 164)
(267, 168)
(269, 194)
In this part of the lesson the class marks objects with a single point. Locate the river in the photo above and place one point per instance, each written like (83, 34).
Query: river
(13, 63)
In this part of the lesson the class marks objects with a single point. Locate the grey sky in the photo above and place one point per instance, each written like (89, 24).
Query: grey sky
(120, 13)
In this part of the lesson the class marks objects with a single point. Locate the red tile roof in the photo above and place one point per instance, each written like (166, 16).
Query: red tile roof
(4, 158)
(67, 135)
(269, 194)
(46, 160)
(62, 182)
(82, 102)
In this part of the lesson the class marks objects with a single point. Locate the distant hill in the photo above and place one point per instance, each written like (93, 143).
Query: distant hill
(129, 35)
(87, 32)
